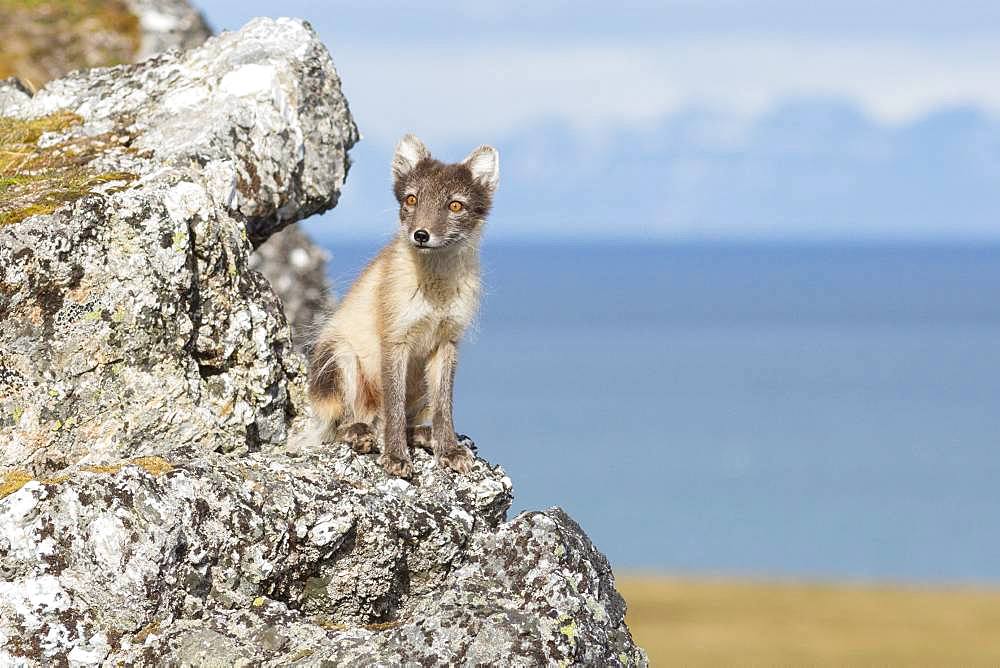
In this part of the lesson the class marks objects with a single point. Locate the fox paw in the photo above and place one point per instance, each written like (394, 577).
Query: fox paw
(397, 466)
(360, 437)
(455, 457)
(420, 437)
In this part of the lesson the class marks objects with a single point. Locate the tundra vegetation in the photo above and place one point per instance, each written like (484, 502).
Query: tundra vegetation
(44, 39)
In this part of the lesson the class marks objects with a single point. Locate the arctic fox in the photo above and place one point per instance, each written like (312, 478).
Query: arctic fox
(386, 357)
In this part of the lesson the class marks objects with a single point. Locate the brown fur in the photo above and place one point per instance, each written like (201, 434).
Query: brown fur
(368, 392)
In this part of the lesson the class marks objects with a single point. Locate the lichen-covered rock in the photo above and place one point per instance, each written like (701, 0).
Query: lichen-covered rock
(13, 93)
(291, 261)
(298, 559)
(129, 321)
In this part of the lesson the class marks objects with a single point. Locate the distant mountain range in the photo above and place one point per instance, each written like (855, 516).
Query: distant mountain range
(808, 170)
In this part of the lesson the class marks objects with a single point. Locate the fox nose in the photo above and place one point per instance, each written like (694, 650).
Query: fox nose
(421, 236)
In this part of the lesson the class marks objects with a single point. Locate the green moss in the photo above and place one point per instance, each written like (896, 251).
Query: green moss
(36, 180)
(18, 131)
(12, 481)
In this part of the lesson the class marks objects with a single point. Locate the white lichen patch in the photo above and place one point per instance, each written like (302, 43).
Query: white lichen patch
(489, 489)
(330, 529)
(34, 600)
(107, 535)
(90, 652)
(20, 522)
(221, 179)
(186, 201)
(248, 80)
(180, 99)
(463, 516)
(395, 486)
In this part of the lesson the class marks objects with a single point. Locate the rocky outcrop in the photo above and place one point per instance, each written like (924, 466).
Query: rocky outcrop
(43, 41)
(130, 319)
(292, 262)
(314, 559)
(151, 509)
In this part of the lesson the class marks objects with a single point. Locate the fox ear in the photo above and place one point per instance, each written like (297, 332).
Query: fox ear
(484, 163)
(409, 151)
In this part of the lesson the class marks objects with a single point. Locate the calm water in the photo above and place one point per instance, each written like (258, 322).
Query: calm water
(819, 411)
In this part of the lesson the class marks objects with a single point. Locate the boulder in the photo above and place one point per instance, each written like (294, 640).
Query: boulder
(315, 558)
(44, 41)
(129, 319)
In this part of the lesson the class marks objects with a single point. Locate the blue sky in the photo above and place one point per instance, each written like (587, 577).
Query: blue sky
(679, 120)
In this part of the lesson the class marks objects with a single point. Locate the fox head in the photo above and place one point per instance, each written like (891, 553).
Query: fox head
(442, 205)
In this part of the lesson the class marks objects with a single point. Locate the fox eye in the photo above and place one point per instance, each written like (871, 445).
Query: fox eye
(410, 200)
(455, 206)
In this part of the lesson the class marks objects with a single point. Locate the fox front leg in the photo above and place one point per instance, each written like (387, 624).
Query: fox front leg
(441, 377)
(395, 455)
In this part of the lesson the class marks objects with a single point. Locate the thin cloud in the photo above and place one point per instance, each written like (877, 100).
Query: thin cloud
(449, 91)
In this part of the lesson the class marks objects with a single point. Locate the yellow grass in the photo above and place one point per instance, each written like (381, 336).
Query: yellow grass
(682, 622)
(12, 481)
(45, 39)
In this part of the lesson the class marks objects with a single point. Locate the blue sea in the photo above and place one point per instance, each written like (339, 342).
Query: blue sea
(789, 411)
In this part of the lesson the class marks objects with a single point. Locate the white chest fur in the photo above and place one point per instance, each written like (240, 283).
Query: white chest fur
(438, 310)
(432, 298)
